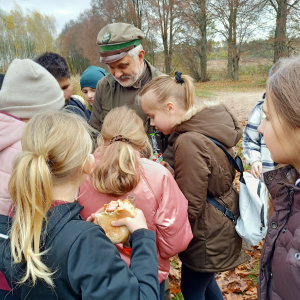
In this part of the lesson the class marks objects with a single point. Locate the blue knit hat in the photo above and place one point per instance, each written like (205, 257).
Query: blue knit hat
(91, 76)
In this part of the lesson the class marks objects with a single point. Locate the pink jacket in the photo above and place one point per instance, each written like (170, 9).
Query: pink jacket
(11, 129)
(163, 205)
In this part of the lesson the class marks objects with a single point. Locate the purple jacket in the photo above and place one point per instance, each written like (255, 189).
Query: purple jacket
(279, 277)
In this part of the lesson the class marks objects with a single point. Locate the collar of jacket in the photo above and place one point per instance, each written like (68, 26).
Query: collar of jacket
(154, 73)
(280, 183)
(215, 121)
(58, 216)
(190, 113)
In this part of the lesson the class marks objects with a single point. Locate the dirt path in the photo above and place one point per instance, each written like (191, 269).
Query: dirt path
(241, 103)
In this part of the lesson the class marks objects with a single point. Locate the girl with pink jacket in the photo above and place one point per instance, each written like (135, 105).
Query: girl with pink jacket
(120, 170)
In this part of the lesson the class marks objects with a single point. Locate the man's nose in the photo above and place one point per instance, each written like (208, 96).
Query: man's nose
(118, 73)
(152, 123)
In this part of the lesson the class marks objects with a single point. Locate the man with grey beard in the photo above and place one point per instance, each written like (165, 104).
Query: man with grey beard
(121, 50)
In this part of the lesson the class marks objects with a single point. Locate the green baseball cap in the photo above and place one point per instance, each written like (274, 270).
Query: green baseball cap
(116, 40)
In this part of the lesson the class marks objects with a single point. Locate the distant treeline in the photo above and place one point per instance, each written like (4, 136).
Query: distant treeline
(180, 34)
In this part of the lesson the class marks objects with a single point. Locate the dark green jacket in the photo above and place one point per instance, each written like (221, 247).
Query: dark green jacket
(88, 266)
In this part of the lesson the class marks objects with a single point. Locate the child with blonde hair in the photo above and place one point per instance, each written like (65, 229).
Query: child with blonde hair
(47, 250)
(279, 276)
(121, 170)
(201, 169)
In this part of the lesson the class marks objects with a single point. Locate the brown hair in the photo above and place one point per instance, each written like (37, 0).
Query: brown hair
(118, 170)
(55, 147)
(284, 89)
(165, 86)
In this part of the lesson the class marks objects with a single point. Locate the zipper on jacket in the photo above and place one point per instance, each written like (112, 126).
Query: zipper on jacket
(291, 201)
(291, 196)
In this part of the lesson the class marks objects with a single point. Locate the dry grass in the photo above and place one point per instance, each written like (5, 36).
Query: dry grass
(246, 83)
(75, 79)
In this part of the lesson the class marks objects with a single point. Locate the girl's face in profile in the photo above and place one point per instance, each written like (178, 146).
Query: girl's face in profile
(279, 138)
(162, 120)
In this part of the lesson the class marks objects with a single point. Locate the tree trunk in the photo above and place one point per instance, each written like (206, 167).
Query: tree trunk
(166, 54)
(203, 42)
(229, 42)
(236, 60)
(280, 48)
(230, 61)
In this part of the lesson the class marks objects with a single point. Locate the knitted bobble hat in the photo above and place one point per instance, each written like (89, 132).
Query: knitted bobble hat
(29, 89)
(91, 76)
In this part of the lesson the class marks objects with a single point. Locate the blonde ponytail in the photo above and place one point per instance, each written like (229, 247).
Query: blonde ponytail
(30, 176)
(166, 87)
(46, 160)
(118, 170)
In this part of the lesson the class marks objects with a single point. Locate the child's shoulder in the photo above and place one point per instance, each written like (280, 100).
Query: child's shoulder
(188, 138)
(152, 168)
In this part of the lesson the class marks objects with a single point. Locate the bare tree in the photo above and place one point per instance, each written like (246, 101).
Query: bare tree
(167, 14)
(237, 22)
(282, 9)
(196, 14)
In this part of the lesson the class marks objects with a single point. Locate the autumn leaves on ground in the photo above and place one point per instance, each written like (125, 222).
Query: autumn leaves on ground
(241, 282)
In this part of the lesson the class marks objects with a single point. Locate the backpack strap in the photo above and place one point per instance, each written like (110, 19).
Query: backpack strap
(238, 165)
(235, 162)
(227, 213)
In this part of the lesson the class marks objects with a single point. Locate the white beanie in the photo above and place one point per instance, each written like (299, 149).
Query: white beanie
(28, 89)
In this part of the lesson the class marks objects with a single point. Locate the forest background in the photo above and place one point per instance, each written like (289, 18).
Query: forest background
(208, 39)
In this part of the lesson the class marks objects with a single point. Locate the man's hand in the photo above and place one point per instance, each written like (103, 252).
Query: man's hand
(256, 169)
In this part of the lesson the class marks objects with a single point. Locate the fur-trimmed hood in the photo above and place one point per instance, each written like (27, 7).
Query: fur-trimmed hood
(215, 121)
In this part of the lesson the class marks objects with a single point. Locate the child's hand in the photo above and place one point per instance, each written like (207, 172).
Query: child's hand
(256, 169)
(92, 217)
(133, 224)
(167, 166)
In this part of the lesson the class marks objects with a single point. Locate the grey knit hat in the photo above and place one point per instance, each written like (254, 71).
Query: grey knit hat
(29, 89)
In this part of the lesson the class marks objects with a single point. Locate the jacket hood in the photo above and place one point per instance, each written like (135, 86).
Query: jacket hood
(11, 129)
(216, 122)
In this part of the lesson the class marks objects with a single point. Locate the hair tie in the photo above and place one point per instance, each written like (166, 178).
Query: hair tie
(49, 162)
(119, 138)
(178, 78)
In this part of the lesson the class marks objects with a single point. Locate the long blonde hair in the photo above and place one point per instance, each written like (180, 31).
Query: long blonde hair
(55, 147)
(118, 170)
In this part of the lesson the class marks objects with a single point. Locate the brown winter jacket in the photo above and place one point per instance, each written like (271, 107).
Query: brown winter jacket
(201, 167)
(279, 277)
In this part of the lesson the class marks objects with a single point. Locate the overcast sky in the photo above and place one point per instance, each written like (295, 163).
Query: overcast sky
(62, 10)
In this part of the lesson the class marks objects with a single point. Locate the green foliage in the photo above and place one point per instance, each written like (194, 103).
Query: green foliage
(179, 296)
(253, 276)
(25, 36)
(77, 62)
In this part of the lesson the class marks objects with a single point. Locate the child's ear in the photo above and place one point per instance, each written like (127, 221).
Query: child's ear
(170, 107)
(87, 168)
